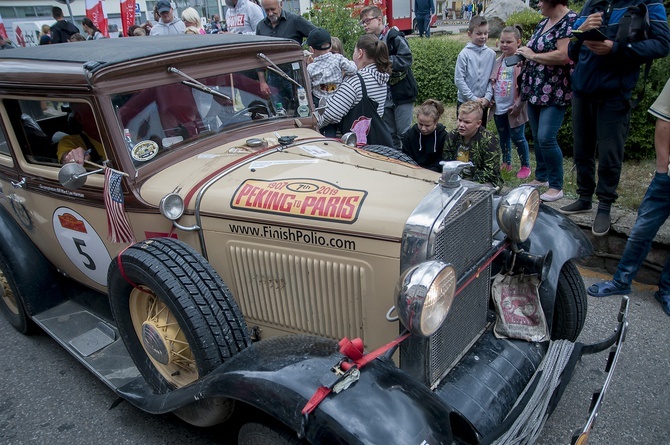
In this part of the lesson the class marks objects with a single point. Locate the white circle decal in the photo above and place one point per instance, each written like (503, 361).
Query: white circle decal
(81, 244)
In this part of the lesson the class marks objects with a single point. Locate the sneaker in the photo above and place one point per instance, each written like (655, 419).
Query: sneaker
(536, 183)
(601, 225)
(551, 197)
(524, 172)
(579, 206)
(505, 167)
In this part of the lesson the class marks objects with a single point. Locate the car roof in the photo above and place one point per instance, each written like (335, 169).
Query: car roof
(111, 51)
(24, 65)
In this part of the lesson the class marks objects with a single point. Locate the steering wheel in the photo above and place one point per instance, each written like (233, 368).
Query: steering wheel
(256, 108)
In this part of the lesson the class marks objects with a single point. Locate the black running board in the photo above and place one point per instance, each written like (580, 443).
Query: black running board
(91, 340)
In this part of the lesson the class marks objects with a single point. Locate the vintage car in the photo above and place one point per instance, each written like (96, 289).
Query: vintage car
(215, 252)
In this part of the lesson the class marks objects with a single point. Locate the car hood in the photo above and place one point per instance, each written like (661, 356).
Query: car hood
(312, 182)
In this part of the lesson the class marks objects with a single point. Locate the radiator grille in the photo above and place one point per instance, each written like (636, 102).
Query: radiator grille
(462, 239)
(300, 294)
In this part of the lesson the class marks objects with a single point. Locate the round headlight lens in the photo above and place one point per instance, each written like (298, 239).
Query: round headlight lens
(424, 296)
(517, 212)
(172, 206)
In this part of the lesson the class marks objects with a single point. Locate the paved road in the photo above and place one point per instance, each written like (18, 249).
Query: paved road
(46, 397)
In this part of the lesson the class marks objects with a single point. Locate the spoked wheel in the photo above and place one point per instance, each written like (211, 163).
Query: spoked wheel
(177, 319)
(11, 304)
(162, 338)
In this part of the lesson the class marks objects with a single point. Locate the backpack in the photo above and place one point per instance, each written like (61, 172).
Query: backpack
(634, 25)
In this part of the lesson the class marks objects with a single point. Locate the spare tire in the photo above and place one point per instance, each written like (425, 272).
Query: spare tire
(390, 152)
(175, 314)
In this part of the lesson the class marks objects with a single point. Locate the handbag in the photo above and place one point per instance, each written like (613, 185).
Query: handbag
(365, 123)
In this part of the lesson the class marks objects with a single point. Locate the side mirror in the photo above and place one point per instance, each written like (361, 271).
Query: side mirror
(72, 176)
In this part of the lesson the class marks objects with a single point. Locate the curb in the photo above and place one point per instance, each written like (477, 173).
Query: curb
(607, 250)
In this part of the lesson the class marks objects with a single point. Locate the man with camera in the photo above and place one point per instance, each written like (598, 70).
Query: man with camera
(607, 67)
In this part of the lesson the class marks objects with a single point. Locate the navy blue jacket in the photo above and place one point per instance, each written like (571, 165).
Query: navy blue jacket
(615, 75)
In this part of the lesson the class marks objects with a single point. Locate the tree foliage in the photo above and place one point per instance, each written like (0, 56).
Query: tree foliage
(341, 21)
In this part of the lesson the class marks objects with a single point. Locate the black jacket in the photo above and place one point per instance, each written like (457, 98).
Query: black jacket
(62, 31)
(425, 150)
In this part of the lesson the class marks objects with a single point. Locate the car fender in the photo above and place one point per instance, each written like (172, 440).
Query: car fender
(559, 234)
(34, 274)
(279, 375)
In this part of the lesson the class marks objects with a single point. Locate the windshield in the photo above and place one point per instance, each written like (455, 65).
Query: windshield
(160, 119)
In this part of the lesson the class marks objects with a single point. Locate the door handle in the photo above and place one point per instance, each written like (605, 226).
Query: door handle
(20, 184)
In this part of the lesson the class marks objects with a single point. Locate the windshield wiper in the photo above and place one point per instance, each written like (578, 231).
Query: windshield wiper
(191, 82)
(275, 69)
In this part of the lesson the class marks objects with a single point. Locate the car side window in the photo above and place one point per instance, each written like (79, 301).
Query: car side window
(42, 125)
(4, 147)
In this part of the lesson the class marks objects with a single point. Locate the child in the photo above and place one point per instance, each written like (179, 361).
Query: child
(473, 66)
(424, 141)
(327, 70)
(509, 111)
(336, 47)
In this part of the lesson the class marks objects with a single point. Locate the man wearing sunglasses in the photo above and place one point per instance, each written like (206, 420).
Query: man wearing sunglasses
(402, 90)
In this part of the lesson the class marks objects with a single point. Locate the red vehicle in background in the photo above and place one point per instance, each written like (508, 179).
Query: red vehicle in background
(399, 13)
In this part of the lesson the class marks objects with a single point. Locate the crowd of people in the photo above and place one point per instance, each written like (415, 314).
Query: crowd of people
(373, 95)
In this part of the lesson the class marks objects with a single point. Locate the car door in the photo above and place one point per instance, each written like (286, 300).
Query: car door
(68, 226)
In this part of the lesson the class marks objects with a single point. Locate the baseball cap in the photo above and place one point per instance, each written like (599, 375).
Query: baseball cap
(163, 6)
(319, 38)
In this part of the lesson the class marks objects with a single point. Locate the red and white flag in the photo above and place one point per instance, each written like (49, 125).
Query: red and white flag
(118, 226)
(127, 14)
(3, 31)
(96, 12)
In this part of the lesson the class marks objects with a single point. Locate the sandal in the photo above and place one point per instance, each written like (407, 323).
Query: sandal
(607, 288)
(665, 302)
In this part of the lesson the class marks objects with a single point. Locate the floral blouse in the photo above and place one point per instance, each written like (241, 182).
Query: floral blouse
(547, 85)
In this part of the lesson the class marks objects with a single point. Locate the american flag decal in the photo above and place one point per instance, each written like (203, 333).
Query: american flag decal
(118, 226)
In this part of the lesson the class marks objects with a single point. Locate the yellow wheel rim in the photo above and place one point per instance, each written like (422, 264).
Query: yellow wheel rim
(162, 338)
(8, 296)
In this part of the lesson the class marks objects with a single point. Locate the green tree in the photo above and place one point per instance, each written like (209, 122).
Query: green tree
(338, 17)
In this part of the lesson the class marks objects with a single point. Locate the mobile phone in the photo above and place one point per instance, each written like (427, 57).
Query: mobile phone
(514, 59)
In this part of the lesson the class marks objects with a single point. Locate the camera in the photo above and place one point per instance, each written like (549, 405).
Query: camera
(513, 60)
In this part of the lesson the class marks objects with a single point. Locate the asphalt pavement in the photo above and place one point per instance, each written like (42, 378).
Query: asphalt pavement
(47, 397)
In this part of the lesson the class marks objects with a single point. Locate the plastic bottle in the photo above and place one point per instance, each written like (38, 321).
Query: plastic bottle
(303, 107)
(279, 110)
(128, 139)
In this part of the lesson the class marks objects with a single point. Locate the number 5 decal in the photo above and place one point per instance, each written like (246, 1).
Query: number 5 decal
(81, 244)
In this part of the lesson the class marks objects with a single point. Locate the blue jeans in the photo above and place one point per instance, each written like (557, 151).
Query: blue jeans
(516, 135)
(423, 23)
(653, 211)
(544, 123)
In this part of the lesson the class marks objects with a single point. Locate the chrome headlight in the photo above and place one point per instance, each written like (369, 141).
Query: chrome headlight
(424, 294)
(172, 206)
(517, 212)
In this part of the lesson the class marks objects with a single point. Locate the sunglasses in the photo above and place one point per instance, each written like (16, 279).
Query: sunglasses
(368, 20)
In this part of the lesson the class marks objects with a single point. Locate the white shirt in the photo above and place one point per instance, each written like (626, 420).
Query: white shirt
(244, 17)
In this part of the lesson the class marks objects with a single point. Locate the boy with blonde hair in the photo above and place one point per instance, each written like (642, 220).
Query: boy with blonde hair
(474, 65)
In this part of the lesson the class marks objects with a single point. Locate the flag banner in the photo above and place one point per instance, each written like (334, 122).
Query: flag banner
(118, 226)
(3, 31)
(95, 11)
(127, 15)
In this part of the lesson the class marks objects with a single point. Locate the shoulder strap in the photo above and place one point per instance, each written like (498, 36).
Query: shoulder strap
(364, 91)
